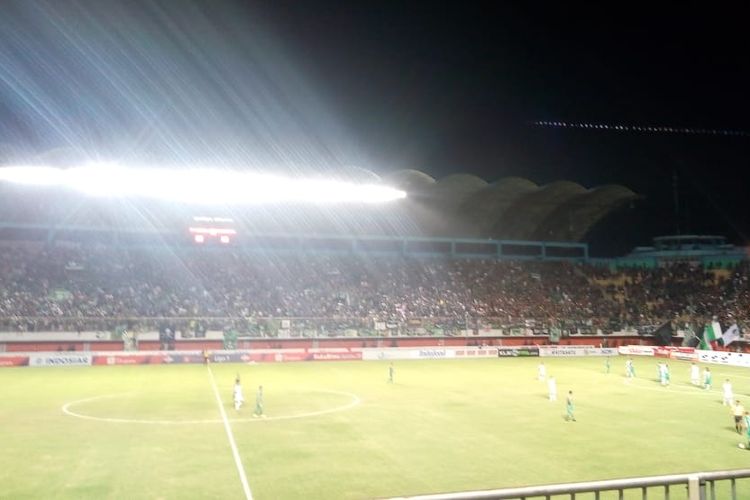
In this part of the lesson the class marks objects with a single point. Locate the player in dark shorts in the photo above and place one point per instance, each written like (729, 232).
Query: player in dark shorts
(739, 412)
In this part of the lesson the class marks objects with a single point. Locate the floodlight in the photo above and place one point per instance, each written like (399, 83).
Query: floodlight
(36, 176)
(200, 185)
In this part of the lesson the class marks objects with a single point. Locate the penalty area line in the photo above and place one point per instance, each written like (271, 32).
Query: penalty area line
(230, 436)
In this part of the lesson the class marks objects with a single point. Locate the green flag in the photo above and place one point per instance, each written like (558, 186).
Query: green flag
(711, 333)
(230, 339)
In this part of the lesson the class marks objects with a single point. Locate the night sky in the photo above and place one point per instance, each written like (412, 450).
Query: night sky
(393, 85)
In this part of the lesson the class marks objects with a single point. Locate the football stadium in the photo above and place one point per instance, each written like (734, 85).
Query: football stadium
(186, 355)
(373, 250)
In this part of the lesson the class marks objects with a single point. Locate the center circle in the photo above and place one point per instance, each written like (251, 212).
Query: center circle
(352, 401)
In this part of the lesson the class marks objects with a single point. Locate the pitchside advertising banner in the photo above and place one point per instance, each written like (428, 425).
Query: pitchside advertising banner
(636, 350)
(67, 359)
(149, 358)
(724, 358)
(476, 352)
(339, 354)
(682, 353)
(14, 360)
(571, 351)
(193, 357)
(399, 353)
(508, 352)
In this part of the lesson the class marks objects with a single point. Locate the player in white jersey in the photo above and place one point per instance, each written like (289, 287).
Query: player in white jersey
(237, 396)
(629, 369)
(695, 374)
(728, 393)
(552, 387)
(541, 371)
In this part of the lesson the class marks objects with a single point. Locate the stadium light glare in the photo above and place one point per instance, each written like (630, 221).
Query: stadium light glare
(199, 186)
(34, 176)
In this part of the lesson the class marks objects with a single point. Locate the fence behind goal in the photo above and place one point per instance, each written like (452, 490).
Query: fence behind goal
(718, 485)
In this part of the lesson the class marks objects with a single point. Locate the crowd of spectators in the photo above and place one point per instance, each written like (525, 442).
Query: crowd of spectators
(69, 287)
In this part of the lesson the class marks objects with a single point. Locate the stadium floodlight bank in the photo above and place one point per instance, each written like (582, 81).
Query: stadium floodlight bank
(700, 486)
(199, 185)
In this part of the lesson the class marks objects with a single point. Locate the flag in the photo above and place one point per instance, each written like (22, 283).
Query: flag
(732, 334)
(711, 333)
(663, 334)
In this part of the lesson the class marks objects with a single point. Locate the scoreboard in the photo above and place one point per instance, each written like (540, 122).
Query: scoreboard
(206, 229)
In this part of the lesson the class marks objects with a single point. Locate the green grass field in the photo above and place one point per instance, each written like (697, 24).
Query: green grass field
(339, 430)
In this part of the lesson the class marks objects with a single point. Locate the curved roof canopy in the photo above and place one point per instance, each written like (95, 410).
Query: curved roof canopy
(575, 218)
(511, 208)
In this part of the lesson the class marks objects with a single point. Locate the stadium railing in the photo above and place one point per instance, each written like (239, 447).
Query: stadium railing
(310, 326)
(699, 486)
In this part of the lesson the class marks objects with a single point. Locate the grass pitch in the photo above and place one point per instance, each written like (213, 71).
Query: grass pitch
(340, 430)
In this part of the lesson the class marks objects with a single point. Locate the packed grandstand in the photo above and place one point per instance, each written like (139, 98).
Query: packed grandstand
(49, 288)
(77, 263)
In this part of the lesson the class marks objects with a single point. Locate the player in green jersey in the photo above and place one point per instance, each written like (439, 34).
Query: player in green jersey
(259, 402)
(570, 408)
(746, 422)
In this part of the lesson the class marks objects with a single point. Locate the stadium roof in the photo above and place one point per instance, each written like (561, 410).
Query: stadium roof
(512, 208)
(456, 206)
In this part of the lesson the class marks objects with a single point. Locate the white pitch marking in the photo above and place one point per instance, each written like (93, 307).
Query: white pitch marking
(230, 436)
(355, 400)
(66, 409)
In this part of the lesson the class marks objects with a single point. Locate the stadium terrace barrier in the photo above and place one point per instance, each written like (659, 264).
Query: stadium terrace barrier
(69, 341)
(95, 336)
(700, 486)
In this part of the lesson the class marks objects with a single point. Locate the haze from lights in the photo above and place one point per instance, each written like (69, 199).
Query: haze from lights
(199, 185)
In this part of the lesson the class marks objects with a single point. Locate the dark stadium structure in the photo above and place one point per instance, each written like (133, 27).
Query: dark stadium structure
(456, 206)
(512, 208)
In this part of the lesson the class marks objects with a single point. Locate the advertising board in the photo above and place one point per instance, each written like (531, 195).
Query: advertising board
(62, 359)
(520, 351)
